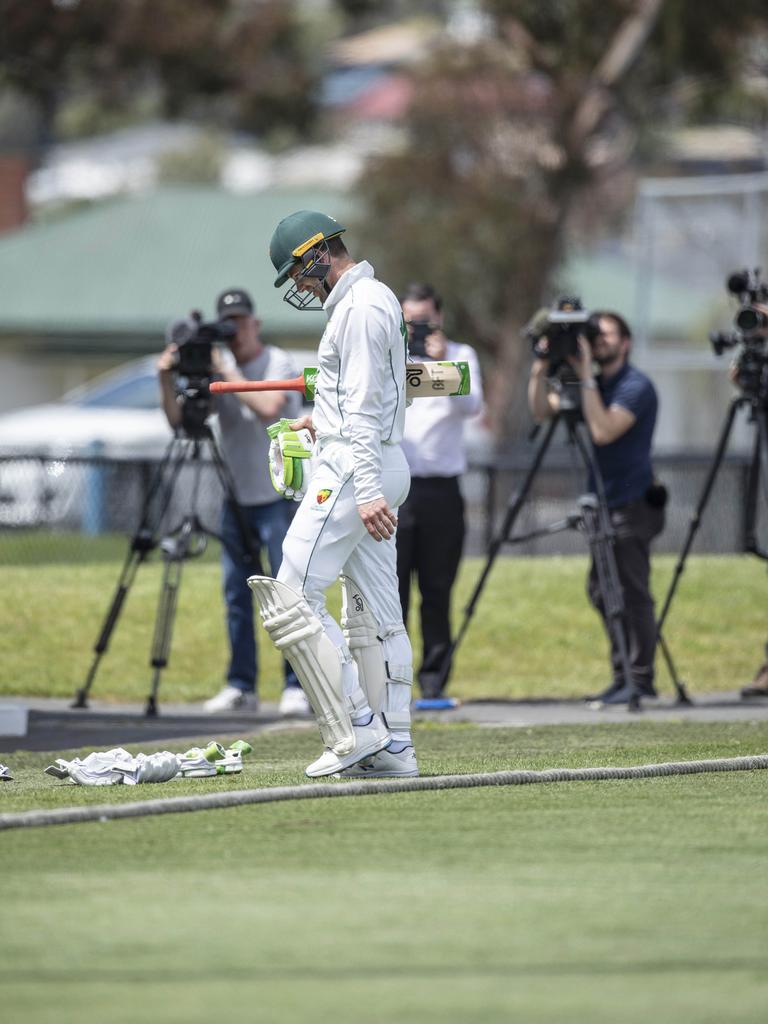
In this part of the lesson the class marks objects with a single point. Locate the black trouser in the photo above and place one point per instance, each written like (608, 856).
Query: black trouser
(430, 536)
(635, 526)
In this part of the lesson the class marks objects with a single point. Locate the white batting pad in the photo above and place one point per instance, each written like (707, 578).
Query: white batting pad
(298, 634)
(361, 634)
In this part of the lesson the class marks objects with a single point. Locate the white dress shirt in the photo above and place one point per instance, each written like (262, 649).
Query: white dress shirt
(433, 441)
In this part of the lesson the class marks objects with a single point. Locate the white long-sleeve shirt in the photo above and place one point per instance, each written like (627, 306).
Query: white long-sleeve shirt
(433, 441)
(360, 392)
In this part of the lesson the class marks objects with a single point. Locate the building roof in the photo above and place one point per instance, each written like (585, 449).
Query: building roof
(123, 269)
(392, 44)
(113, 276)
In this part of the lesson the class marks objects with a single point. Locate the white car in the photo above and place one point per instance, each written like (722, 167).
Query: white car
(116, 416)
(49, 469)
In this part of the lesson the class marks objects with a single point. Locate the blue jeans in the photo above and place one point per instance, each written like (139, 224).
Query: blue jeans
(268, 525)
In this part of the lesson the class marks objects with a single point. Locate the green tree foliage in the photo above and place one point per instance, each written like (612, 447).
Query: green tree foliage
(243, 65)
(512, 141)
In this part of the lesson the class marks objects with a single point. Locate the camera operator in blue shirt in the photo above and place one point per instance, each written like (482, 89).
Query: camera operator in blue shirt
(619, 407)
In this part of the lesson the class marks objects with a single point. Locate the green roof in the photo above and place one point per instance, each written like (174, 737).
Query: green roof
(129, 266)
(114, 275)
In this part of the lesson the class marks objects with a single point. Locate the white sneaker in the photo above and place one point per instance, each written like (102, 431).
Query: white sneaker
(293, 701)
(232, 699)
(201, 762)
(385, 765)
(369, 740)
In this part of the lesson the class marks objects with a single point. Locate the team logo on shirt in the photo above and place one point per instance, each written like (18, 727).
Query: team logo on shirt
(323, 496)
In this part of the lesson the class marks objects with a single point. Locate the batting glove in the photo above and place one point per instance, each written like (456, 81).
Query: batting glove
(289, 455)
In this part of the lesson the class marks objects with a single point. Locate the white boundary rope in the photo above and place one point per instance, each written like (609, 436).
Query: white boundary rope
(274, 794)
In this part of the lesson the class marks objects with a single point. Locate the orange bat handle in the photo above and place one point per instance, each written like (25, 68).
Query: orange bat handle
(221, 387)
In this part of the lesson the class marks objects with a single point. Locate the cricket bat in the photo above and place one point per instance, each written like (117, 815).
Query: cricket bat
(422, 380)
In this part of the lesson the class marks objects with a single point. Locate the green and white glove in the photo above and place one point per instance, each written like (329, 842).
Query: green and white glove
(289, 455)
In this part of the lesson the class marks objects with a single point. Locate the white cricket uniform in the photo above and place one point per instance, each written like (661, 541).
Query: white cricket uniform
(359, 418)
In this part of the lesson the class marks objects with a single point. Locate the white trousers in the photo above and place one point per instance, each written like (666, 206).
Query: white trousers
(327, 538)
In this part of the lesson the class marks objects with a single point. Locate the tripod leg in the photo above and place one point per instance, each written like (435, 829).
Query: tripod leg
(762, 434)
(750, 504)
(131, 564)
(702, 503)
(496, 544)
(142, 543)
(722, 444)
(758, 479)
(166, 614)
(682, 694)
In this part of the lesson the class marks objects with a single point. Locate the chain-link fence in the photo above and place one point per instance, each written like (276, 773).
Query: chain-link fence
(86, 508)
(83, 508)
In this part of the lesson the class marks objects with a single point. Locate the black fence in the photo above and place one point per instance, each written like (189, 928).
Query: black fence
(68, 507)
(490, 489)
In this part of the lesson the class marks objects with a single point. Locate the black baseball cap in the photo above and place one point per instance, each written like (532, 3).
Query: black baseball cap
(234, 302)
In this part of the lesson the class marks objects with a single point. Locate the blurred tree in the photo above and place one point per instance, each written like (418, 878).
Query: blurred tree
(245, 64)
(518, 138)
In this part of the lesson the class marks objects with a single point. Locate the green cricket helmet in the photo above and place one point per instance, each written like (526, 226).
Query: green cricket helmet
(301, 238)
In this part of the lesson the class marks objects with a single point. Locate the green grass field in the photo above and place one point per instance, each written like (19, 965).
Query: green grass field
(533, 633)
(583, 902)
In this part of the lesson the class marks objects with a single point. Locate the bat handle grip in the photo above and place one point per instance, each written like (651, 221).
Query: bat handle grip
(223, 387)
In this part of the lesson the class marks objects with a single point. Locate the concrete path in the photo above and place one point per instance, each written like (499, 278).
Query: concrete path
(53, 725)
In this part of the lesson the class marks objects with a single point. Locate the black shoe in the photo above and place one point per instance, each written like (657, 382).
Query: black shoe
(624, 694)
(604, 694)
(754, 690)
(429, 684)
(759, 685)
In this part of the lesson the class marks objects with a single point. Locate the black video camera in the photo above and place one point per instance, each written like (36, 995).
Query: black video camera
(193, 366)
(194, 341)
(419, 332)
(751, 323)
(562, 327)
(751, 331)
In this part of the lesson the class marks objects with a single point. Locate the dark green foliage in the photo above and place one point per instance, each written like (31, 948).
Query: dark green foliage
(238, 66)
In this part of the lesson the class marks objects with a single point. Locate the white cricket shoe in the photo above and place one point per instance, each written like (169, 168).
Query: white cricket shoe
(369, 740)
(294, 702)
(232, 699)
(385, 765)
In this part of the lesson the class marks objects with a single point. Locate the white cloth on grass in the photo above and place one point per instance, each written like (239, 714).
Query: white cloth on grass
(117, 767)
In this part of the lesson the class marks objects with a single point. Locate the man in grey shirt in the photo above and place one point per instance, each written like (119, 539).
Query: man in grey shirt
(240, 431)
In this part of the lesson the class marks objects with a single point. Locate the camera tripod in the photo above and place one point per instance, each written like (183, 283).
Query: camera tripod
(757, 406)
(188, 539)
(593, 520)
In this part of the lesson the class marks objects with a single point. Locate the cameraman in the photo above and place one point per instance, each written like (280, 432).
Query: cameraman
(241, 434)
(430, 531)
(619, 407)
